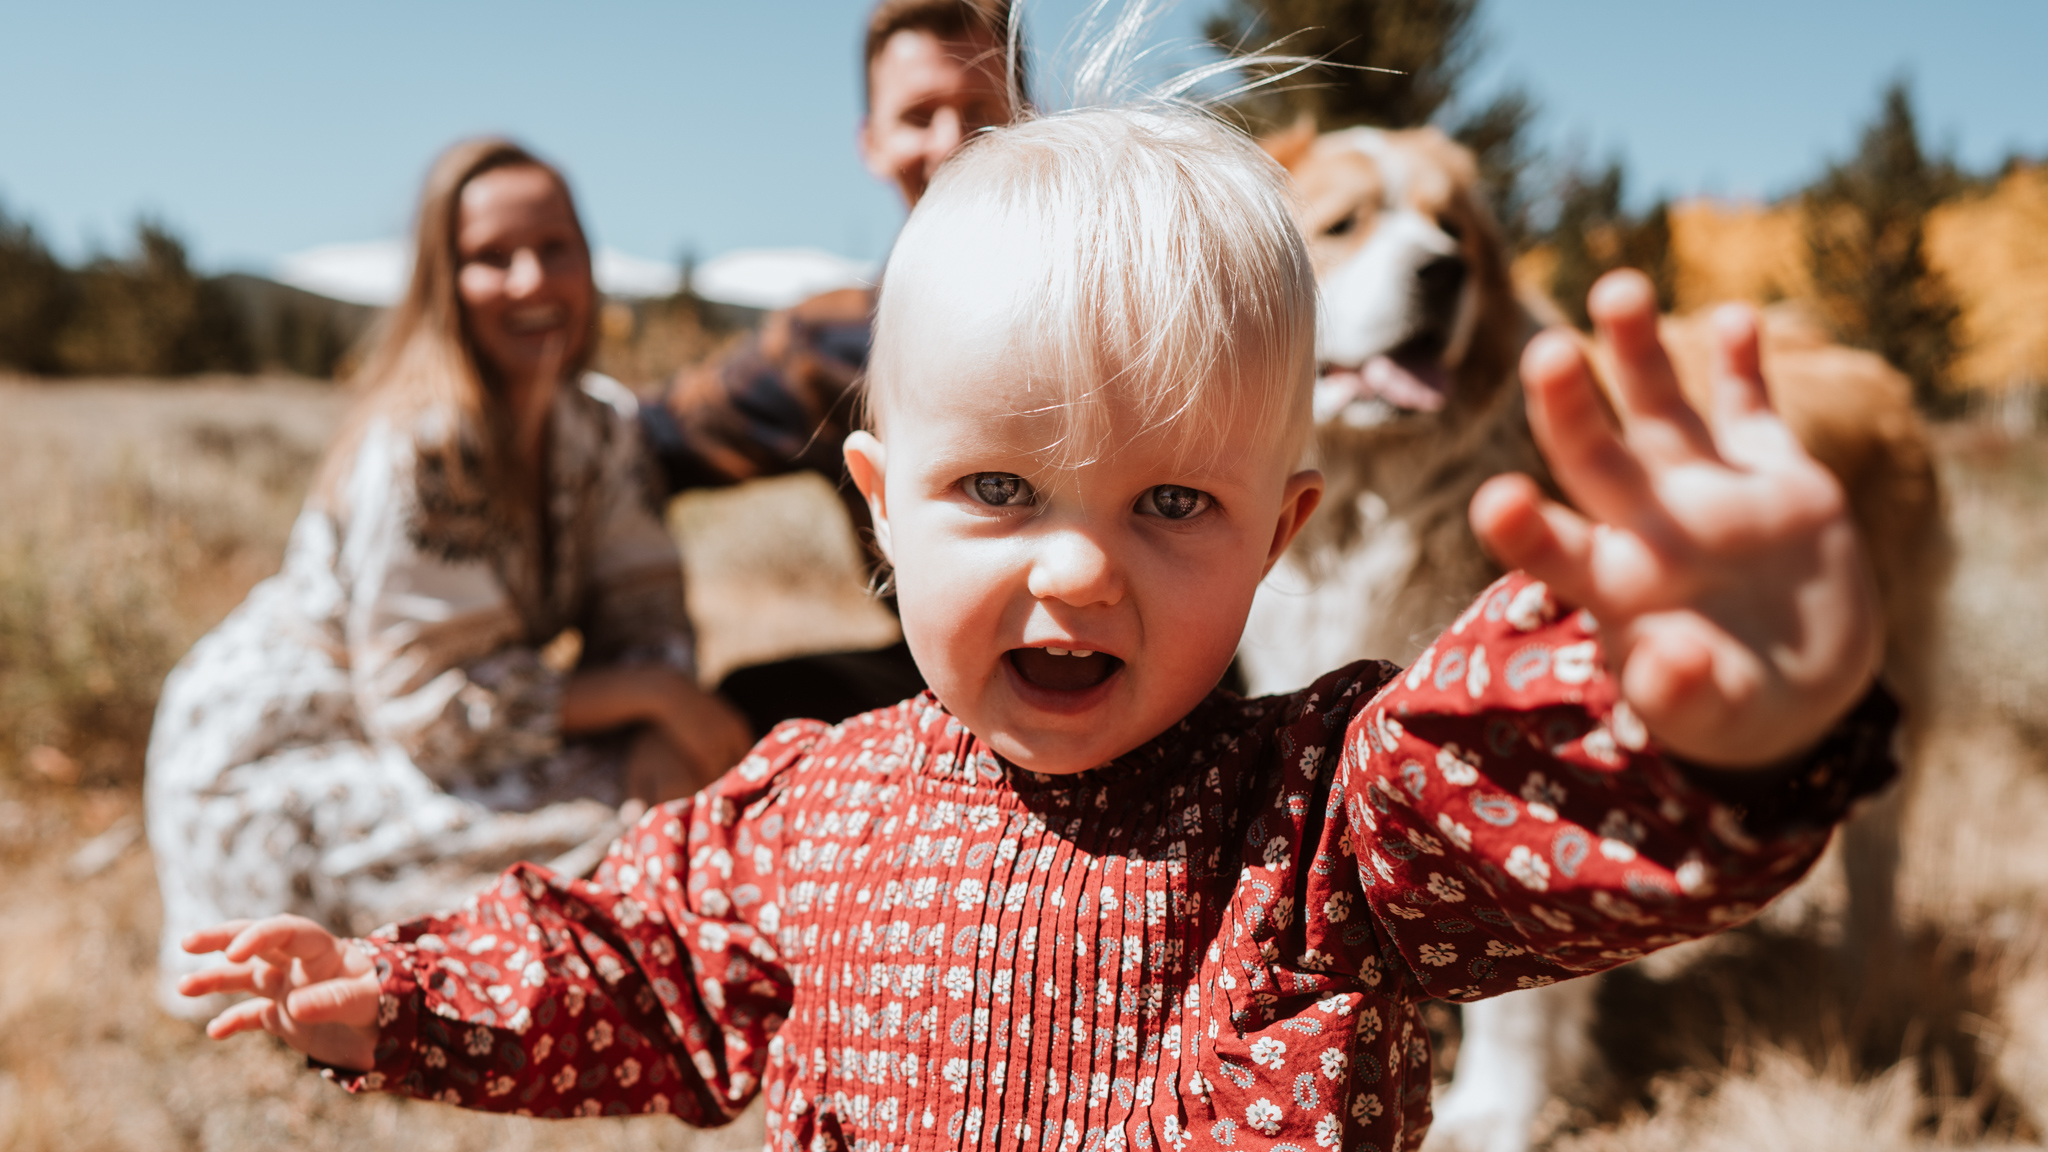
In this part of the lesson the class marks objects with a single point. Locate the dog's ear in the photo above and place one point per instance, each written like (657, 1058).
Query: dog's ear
(1290, 144)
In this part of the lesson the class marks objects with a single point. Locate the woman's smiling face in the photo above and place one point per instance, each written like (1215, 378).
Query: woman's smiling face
(523, 272)
(1065, 613)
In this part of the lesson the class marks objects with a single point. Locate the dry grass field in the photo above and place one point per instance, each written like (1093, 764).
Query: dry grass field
(133, 515)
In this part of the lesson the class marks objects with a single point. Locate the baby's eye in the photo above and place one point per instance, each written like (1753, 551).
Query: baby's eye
(1173, 502)
(997, 489)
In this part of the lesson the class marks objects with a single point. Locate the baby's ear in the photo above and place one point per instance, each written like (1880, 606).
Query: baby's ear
(866, 459)
(1297, 503)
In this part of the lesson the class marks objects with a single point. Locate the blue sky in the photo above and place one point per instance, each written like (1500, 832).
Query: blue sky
(257, 129)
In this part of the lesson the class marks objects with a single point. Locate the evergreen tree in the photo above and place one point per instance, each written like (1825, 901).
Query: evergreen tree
(1594, 234)
(1498, 135)
(287, 330)
(1429, 45)
(34, 299)
(1866, 231)
(151, 315)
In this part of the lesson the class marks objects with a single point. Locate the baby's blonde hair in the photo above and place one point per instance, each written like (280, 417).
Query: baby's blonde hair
(1171, 282)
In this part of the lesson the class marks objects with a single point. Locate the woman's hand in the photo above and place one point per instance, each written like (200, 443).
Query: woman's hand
(1734, 603)
(699, 734)
(312, 990)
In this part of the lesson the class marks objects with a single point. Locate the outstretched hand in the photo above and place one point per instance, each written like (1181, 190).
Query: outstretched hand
(1735, 607)
(311, 990)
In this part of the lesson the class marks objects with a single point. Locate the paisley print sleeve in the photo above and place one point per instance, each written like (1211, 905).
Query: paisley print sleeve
(653, 987)
(1491, 818)
(1512, 824)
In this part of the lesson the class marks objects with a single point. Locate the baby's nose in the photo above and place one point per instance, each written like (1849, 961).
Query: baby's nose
(1077, 569)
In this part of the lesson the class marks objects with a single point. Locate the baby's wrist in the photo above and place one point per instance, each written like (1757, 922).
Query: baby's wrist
(386, 1057)
(1749, 740)
(1741, 784)
(391, 1037)
(1854, 758)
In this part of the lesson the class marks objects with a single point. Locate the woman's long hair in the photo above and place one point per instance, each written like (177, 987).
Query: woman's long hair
(423, 373)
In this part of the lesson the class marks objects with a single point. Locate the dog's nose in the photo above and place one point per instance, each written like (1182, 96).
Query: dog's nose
(1440, 281)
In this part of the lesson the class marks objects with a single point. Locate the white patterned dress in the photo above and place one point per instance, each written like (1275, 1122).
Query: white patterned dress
(375, 730)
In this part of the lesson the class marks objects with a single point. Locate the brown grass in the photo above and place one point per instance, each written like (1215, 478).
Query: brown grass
(133, 515)
(774, 570)
(1751, 1041)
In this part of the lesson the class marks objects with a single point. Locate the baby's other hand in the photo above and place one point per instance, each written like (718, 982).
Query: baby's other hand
(1734, 603)
(312, 990)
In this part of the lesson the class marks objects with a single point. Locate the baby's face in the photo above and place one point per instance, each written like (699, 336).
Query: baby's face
(1065, 614)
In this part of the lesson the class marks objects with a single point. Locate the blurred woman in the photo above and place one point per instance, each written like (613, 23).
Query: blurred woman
(476, 650)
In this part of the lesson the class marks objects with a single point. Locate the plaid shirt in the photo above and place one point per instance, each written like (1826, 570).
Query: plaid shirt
(783, 401)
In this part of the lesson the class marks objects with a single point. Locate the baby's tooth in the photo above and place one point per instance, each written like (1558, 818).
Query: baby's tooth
(1082, 654)
(1056, 652)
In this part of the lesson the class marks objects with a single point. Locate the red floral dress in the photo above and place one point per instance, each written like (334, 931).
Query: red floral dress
(1216, 941)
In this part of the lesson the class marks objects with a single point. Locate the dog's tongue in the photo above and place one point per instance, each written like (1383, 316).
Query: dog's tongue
(1419, 387)
(1413, 388)
(1063, 673)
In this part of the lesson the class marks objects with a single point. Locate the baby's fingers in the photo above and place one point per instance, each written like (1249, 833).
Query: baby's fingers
(350, 1000)
(1522, 529)
(221, 978)
(213, 939)
(247, 1016)
(1698, 689)
(1576, 433)
(1668, 676)
(293, 936)
(1623, 305)
(1611, 573)
(258, 977)
(1739, 390)
(1747, 430)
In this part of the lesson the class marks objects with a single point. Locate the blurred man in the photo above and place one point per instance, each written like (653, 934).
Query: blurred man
(936, 71)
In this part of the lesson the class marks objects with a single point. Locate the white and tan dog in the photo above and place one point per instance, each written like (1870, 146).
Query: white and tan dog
(1418, 403)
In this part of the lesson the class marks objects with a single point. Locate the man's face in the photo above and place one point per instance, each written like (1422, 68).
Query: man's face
(1066, 614)
(925, 96)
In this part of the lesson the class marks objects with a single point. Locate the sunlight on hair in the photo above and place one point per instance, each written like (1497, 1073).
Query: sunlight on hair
(1164, 281)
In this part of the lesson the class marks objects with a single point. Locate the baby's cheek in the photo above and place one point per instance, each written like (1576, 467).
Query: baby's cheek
(953, 606)
(1208, 596)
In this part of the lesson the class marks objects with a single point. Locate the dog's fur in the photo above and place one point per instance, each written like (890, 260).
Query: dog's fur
(1419, 402)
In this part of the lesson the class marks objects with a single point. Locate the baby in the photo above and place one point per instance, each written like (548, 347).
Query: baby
(1077, 897)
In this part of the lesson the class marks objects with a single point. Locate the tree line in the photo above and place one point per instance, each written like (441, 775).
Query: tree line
(1865, 213)
(148, 313)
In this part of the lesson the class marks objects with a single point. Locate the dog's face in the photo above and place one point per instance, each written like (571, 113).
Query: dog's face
(1418, 318)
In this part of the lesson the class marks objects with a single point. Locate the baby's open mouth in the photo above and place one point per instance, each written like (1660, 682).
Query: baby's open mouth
(1063, 669)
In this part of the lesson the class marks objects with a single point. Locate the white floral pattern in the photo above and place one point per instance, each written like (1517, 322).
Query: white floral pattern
(875, 1009)
(372, 733)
